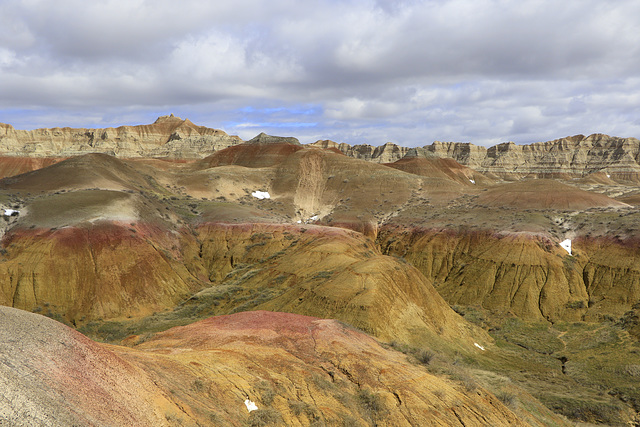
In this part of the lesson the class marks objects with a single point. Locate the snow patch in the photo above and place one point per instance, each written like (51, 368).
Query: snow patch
(314, 218)
(566, 245)
(299, 221)
(608, 176)
(473, 181)
(261, 195)
(479, 346)
(251, 406)
(10, 212)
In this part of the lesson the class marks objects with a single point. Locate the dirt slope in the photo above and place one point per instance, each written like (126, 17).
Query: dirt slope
(86, 171)
(302, 370)
(52, 375)
(437, 167)
(11, 166)
(296, 370)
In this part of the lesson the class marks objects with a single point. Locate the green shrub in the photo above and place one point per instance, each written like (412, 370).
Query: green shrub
(425, 356)
(264, 417)
(370, 402)
(508, 398)
(302, 408)
(267, 393)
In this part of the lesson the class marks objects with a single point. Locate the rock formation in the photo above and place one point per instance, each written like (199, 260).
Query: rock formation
(570, 157)
(386, 153)
(168, 136)
(263, 138)
(172, 137)
(574, 156)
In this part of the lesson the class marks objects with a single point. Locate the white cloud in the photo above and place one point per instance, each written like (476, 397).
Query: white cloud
(409, 71)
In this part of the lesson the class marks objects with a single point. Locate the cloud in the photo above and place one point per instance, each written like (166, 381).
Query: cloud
(484, 71)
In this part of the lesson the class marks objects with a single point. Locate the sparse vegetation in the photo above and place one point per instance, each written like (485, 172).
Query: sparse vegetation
(302, 408)
(266, 392)
(264, 417)
(508, 398)
(371, 402)
(425, 356)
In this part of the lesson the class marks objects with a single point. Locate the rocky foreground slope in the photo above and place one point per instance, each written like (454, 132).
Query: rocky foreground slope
(254, 368)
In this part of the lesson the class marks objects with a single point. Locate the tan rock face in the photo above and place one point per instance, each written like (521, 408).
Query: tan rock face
(169, 137)
(575, 156)
(386, 153)
(329, 273)
(572, 157)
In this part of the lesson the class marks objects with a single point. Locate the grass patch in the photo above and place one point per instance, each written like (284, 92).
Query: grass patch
(266, 392)
(598, 362)
(206, 303)
(537, 337)
(300, 408)
(589, 411)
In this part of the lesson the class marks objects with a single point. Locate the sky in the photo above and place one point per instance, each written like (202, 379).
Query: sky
(357, 71)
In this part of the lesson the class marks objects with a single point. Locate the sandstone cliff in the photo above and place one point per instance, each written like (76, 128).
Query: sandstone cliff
(169, 136)
(386, 153)
(574, 156)
(172, 137)
(570, 157)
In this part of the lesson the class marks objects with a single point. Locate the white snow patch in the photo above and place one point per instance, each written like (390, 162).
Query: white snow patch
(314, 218)
(299, 221)
(608, 176)
(9, 212)
(566, 245)
(479, 346)
(261, 195)
(473, 181)
(251, 406)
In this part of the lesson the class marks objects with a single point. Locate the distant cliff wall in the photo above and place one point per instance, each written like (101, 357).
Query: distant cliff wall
(169, 136)
(571, 157)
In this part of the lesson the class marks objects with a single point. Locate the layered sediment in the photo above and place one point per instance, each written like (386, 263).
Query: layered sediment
(168, 136)
(570, 157)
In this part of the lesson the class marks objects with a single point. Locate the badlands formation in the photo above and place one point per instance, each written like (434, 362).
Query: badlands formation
(170, 274)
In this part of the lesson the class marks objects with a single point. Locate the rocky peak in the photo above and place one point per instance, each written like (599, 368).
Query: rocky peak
(418, 152)
(263, 138)
(167, 118)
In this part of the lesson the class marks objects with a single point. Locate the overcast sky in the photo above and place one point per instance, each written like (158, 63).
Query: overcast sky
(356, 71)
